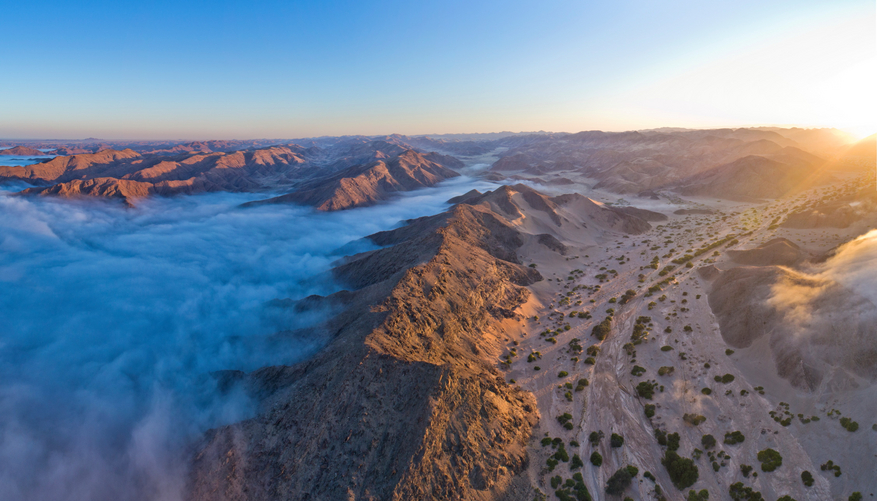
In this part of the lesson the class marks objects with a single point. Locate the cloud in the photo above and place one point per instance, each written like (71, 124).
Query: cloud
(113, 319)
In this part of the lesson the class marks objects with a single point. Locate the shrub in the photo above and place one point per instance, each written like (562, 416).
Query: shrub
(646, 389)
(596, 458)
(556, 481)
(576, 462)
(650, 410)
(849, 424)
(683, 472)
(745, 469)
(739, 492)
(734, 437)
(666, 347)
(729, 352)
(703, 495)
(595, 437)
(601, 330)
(770, 459)
(706, 391)
(727, 378)
(581, 384)
(693, 419)
(564, 418)
(562, 374)
(807, 478)
(561, 454)
(708, 441)
(856, 496)
(616, 440)
(666, 370)
(673, 441)
(618, 482)
(637, 371)
(786, 498)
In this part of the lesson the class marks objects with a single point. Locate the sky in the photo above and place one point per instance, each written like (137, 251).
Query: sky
(223, 70)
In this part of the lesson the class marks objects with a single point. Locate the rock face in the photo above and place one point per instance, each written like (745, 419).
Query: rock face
(364, 185)
(404, 402)
(21, 150)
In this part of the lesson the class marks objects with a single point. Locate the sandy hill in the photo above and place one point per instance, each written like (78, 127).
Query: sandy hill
(779, 251)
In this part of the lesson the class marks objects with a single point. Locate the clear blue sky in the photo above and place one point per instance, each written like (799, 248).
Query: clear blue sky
(295, 69)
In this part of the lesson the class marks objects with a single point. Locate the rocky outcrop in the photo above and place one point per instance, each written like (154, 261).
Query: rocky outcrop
(404, 402)
(365, 185)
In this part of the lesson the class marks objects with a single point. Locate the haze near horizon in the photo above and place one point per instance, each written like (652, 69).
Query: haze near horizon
(284, 70)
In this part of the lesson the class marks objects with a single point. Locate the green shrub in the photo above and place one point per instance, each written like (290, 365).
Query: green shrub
(729, 352)
(646, 389)
(849, 424)
(562, 374)
(637, 371)
(666, 347)
(582, 384)
(546, 442)
(601, 330)
(673, 441)
(745, 469)
(633, 470)
(807, 478)
(596, 458)
(618, 482)
(739, 492)
(708, 441)
(693, 495)
(556, 481)
(576, 462)
(590, 361)
(856, 496)
(595, 437)
(616, 440)
(727, 378)
(770, 460)
(693, 419)
(683, 472)
(706, 391)
(650, 410)
(734, 437)
(666, 370)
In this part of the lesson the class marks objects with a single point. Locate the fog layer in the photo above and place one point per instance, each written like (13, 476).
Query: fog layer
(113, 319)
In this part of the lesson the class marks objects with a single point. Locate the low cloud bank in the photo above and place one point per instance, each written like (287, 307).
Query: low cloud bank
(113, 319)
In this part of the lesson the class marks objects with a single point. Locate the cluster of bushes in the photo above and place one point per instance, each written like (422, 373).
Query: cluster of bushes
(639, 329)
(565, 420)
(627, 296)
(646, 389)
(830, 466)
(770, 460)
(727, 378)
(637, 371)
(581, 384)
(573, 489)
(702, 495)
(849, 424)
(740, 492)
(734, 437)
(693, 419)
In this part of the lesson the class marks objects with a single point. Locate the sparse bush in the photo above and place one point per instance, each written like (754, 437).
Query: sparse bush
(849, 424)
(673, 441)
(856, 496)
(727, 378)
(583, 382)
(693, 419)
